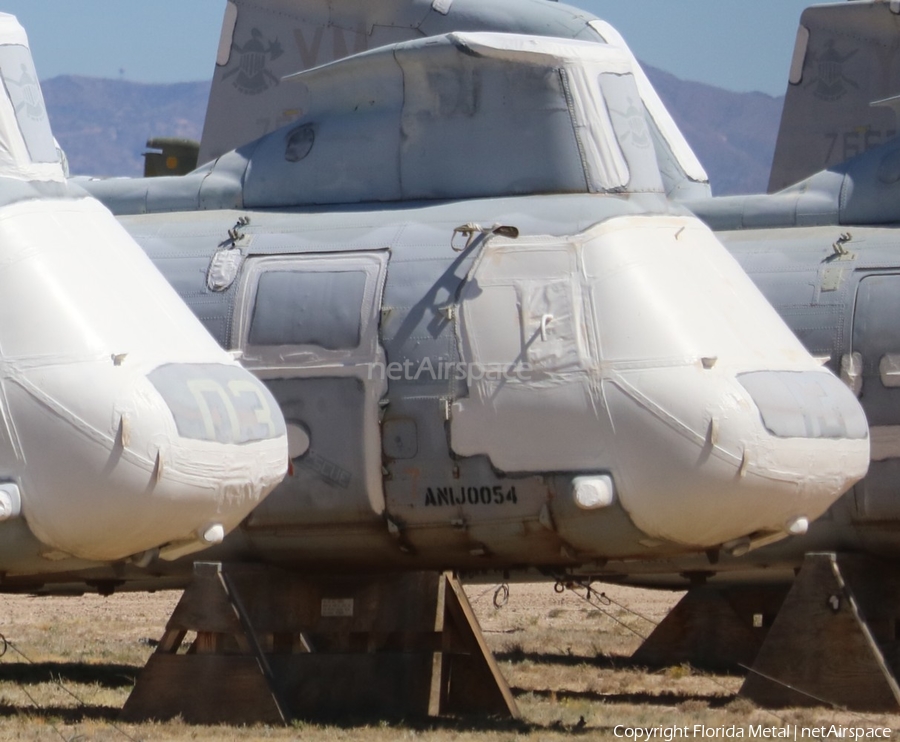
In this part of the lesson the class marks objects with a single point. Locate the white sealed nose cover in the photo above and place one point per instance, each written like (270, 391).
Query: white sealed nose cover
(109, 467)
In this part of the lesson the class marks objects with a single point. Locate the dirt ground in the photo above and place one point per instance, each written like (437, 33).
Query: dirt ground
(71, 663)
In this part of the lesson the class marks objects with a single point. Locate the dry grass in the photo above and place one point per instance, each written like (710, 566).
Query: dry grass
(566, 660)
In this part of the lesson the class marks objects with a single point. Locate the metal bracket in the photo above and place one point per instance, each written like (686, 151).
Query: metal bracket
(472, 231)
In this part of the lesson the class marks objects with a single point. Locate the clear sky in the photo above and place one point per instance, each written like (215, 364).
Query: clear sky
(733, 44)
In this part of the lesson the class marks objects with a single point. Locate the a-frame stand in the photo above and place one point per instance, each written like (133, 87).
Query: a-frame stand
(835, 640)
(272, 646)
(712, 628)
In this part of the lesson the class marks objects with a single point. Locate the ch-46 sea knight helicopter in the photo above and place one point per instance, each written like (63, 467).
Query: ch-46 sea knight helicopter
(832, 284)
(498, 343)
(822, 247)
(109, 449)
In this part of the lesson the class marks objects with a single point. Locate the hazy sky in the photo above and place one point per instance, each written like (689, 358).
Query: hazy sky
(732, 44)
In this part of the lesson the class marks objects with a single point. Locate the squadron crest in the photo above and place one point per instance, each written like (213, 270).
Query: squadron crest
(831, 83)
(635, 125)
(29, 96)
(251, 75)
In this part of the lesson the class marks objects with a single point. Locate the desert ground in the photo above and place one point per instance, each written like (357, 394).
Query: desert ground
(70, 664)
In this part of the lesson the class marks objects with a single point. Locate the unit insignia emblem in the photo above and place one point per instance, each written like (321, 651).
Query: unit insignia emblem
(29, 96)
(251, 75)
(831, 83)
(636, 125)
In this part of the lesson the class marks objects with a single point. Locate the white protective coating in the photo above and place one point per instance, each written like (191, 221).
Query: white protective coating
(10, 501)
(124, 428)
(622, 379)
(612, 58)
(797, 526)
(852, 371)
(298, 441)
(215, 534)
(224, 268)
(656, 108)
(103, 469)
(594, 492)
(605, 164)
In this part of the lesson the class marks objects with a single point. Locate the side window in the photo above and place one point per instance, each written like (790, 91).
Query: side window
(310, 309)
(321, 308)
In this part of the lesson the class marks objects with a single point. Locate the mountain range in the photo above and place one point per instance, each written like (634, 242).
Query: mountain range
(103, 125)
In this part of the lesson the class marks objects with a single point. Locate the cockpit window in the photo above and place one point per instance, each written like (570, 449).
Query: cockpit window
(24, 92)
(605, 165)
(805, 404)
(664, 126)
(215, 402)
(304, 308)
(627, 114)
(611, 128)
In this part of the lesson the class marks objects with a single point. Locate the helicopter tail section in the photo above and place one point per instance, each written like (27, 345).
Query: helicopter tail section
(843, 94)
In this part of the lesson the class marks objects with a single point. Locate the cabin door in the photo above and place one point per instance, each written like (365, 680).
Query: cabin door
(873, 367)
(307, 325)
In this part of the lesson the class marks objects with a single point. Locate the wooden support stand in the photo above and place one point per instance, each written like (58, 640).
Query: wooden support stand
(712, 628)
(272, 646)
(835, 640)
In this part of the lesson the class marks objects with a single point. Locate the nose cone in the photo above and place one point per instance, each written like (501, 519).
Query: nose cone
(125, 425)
(725, 426)
(715, 457)
(144, 461)
(109, 454)
(653, 359)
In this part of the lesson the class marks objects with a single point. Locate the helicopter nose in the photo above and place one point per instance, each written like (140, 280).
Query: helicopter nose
(655, 362)
(722, 458)
(171, 460)
(123, 424)
(104, 372)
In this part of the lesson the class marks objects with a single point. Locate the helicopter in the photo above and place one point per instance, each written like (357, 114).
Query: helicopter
(111, 446)
(498, 341)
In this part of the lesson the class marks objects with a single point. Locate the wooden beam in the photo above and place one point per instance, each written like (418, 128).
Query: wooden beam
(712, 628)
(820, 649)
(273, 646)
(474, 684)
